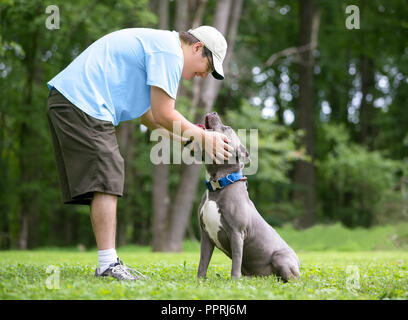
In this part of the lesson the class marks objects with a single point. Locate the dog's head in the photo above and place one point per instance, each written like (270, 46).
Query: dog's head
(240, 155)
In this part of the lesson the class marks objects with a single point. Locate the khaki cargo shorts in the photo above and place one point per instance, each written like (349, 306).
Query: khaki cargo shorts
(86, 152)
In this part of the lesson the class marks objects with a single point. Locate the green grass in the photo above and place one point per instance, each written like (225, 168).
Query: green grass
(338, 238)
(353, 268)
(172, 276)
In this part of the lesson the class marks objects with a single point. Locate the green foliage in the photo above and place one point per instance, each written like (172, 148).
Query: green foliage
(337, 80)
(30, 55)
(278, 147)
(353, 178)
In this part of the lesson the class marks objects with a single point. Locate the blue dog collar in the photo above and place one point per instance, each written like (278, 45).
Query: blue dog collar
(225, 181)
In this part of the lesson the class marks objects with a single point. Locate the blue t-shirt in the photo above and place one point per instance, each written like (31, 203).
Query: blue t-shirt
(111, 79)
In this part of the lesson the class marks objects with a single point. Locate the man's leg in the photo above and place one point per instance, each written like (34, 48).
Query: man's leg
(103, 218)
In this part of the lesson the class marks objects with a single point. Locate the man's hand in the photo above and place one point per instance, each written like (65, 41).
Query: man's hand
(164, 115)
(216, 145)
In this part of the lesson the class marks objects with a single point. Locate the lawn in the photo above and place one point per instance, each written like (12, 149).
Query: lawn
(359, 273)
(325, 275)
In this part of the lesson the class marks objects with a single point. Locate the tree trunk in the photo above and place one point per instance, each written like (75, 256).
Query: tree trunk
(182, 206)
(403, 188)
(367, 81)
(25, 159)
(181, 18)
(197, 81)
(280, 111)
(4, 206)
(163, 11)
(125, 136)
(232, 32)
(199, 11)
(161, 201)
(304, 176)
(160, 192)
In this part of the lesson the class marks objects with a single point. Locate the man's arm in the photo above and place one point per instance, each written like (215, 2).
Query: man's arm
(147, 119)
(165, 114)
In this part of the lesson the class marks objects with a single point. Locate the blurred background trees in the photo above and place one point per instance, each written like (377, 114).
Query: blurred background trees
(329, 104)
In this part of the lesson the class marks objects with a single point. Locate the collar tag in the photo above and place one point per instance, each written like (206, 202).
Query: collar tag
(215, 185)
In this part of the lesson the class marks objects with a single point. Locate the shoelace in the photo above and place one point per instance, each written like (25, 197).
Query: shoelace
(138, 274)
(126, 272)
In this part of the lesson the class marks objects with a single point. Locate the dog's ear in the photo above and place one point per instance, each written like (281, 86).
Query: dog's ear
(242, 154)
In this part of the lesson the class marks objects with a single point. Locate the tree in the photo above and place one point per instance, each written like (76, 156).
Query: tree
(160, 190)
(304, 175)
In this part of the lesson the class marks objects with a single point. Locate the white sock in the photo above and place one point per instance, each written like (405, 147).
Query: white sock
(105, 258)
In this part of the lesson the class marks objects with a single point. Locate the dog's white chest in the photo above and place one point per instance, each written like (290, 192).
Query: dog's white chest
(212, 220)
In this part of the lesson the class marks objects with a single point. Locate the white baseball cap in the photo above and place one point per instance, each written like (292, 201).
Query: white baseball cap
(216, 43)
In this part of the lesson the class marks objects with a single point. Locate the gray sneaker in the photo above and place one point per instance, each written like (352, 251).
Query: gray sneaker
(121, 272)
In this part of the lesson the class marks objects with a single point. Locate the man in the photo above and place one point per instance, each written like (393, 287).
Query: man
(127, 74)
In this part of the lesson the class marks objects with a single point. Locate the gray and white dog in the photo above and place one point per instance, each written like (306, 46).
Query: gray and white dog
(230, 221)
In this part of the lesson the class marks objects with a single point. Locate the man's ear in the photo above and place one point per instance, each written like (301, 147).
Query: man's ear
(196, 46)
(242, 154)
